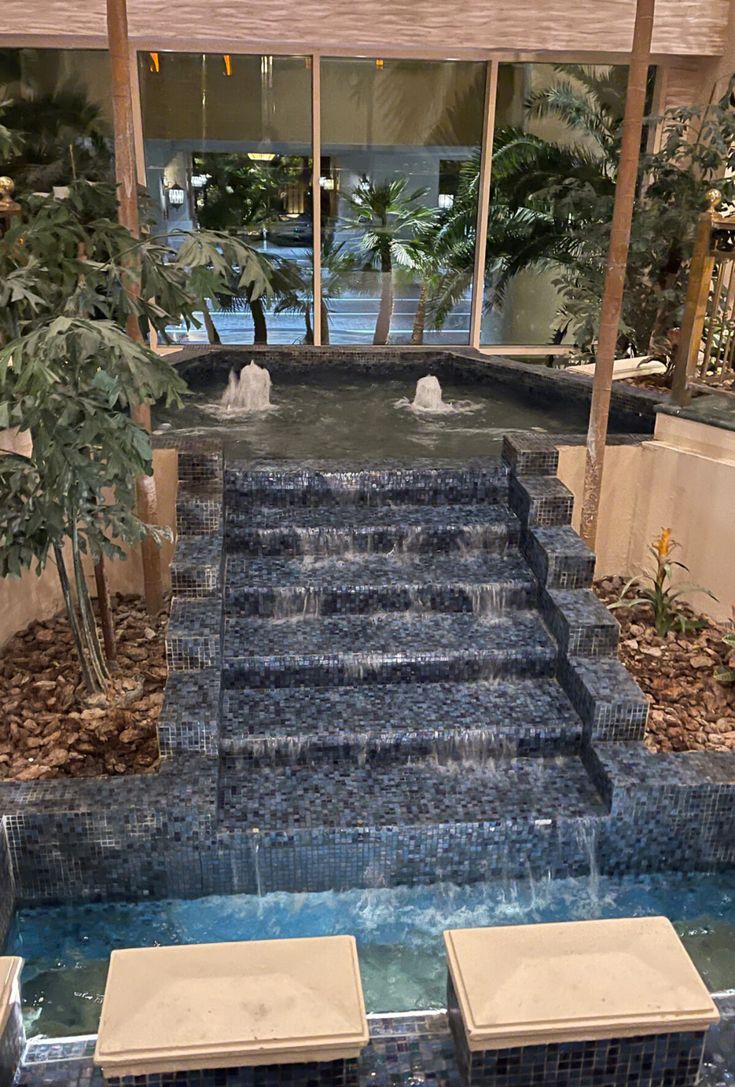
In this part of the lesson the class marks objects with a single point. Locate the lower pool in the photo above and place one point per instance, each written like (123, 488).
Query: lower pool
(398, 931)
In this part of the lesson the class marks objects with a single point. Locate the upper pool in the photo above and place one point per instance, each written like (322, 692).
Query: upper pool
(339, 414)
(398, 931)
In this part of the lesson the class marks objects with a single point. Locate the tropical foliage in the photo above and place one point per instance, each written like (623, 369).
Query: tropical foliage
(69, 376)
(388, 220)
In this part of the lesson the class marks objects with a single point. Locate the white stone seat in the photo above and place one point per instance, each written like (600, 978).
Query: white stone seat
(580, 981)
(10, 969)
(12, 1036)
(177, 1009)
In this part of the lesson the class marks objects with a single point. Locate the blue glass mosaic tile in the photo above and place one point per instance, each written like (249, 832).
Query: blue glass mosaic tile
(336, 530)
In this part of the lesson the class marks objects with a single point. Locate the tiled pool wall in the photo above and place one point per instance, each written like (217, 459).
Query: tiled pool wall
(7, 885)
(159, 834)
(416, 1048)
(673, 1059)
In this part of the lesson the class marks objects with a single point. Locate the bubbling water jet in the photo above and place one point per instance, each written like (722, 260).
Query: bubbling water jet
(251, 391)
(428, 399)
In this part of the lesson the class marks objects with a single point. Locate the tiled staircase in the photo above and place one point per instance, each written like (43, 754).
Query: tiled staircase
(397, 649)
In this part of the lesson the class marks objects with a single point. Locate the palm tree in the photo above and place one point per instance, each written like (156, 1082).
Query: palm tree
(389, 219)
(296, 292)
(536, 219)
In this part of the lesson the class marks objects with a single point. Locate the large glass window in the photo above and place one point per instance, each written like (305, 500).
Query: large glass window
(59, 101)
(554, 154)
(228, 147)
(400, 153)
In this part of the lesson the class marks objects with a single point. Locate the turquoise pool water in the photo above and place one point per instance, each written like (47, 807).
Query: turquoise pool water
(398, 932)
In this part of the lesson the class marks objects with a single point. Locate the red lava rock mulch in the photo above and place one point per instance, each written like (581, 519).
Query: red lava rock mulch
(690, 710)
(50, 727)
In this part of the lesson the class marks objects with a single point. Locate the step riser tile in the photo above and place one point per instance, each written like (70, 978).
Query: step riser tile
(342, 542)
(362, 748)
(337, 671)
(489, 599)
(370, 488)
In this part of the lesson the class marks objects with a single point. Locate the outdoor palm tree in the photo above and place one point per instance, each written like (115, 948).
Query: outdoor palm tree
(295, 290)
(389, 219)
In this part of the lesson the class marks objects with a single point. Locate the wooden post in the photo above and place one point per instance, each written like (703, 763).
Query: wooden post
(695, 307)
(127, 180)
(483, 203)
(617, 259)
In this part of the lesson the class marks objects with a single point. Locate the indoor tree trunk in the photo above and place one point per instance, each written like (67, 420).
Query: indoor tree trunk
(88, 674)
(87, 624)
(260, 328)
(212, 333)
(419, 321)
(309, 334)
(385, 313)
(105, 610)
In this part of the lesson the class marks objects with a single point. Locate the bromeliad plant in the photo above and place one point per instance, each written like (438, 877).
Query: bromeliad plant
(69, 375)
(656, 591)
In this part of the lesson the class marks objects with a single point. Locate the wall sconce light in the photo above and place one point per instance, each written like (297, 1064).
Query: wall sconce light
(154, 63)
(228, 64)
(326, 183)
(380, 63)
(176, 196)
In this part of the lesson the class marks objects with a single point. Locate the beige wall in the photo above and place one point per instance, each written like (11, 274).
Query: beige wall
(24, 599)
(683, 480)
(682, 27)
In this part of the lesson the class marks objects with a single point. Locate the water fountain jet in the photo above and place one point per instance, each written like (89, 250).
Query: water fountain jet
(428, 399)
(428, 396)
(251, 391)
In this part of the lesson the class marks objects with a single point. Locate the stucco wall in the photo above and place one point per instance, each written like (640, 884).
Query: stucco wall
(685, 481)
(24, 599)
(682, 26)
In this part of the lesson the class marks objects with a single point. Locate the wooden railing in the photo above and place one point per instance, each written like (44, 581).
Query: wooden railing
(706, 352)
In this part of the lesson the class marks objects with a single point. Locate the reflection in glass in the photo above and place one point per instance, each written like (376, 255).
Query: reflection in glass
(555, 154)
(228, 147)
(59, 101)
(400, 155)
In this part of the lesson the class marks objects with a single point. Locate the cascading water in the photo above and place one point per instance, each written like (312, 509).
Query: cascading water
(251, 391)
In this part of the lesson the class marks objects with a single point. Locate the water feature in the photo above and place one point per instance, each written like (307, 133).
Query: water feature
(429, 398)
(251, 391)
(398, 931)
(353, 418)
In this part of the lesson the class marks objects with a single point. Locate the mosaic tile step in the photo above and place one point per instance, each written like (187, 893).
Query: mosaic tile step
(332, 530)
(422, 792)
(519, 717)
(272, 587)
(377, 486)
(348, 649)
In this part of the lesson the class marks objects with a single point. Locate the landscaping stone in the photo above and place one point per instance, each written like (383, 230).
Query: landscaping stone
(690, 709)
(50, 727)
